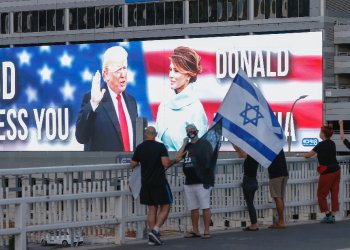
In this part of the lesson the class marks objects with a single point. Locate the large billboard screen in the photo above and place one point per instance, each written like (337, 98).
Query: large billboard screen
(46, 105)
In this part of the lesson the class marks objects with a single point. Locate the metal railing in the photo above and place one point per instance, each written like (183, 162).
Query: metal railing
(96, 200)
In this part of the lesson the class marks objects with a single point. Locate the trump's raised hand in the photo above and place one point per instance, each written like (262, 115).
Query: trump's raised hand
(96, 92)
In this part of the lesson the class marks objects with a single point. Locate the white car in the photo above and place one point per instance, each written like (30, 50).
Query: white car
(61, 238)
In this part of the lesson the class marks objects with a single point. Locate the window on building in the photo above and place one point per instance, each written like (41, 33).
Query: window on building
(259, 9)
(193, 11)
(51, 20)
(4, 23)
(150, 14)
(238, 9)
(132, 12)
(99, 17)
(298, 8)
(90, 17)
(203, 11)
(60, 19)
(281, 8)
(178, 12)
(82, 18)
(242, 9)
(232, 11)
(213, 11)
(73, 19)
(17, 22)
(141, 14)
(169, 12)
(30, 21)
(26, 21)
(293, 8)
(159, 11)
(118, 16)
(42, 21)
(222, 10)
(270, 9)
(304, 8)
(109, 16)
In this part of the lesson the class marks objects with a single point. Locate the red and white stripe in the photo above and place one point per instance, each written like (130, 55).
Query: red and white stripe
(304, 77)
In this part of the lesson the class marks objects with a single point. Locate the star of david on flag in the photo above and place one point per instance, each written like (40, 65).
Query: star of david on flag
(247, 112)
(248, 121)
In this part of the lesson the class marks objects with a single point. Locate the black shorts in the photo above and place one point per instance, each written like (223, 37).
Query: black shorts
(156, 195)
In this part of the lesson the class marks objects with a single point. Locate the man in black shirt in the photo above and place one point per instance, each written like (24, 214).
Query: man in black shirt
(155, 190)
(197, 196)
(278, 175)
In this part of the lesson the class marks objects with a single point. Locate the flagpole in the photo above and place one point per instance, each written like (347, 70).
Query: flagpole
(290, 115)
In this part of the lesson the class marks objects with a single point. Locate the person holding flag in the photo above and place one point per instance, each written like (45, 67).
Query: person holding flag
(248, 122)
(200, 155)
(249, 185)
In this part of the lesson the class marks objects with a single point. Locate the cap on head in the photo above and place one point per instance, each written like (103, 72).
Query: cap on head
(115, 58)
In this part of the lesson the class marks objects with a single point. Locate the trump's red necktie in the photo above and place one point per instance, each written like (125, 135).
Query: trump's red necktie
(123, 124)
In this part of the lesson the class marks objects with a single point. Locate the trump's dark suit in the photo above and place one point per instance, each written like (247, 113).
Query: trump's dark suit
(100, 130)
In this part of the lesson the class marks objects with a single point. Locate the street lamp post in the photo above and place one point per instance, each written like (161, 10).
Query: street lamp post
(290, 115)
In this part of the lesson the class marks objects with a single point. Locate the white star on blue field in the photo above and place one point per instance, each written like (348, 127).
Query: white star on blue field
(251, 114)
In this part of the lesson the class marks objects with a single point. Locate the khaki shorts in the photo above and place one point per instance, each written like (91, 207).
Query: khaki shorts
(278, 186)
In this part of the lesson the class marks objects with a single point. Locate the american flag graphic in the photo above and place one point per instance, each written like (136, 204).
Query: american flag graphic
(304, 78)
(56, 78)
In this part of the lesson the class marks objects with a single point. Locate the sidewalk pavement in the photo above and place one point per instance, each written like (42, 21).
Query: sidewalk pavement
(308, 236)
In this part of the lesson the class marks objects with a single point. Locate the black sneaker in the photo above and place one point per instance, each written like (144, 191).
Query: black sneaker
(150, 241)
(155, 237)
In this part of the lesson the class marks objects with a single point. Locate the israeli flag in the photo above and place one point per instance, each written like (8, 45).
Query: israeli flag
(248, 121)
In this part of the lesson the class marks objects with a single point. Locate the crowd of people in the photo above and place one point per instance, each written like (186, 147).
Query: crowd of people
(156, 192)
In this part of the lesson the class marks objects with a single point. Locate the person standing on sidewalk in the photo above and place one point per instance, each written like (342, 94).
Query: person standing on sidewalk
(197, 196)
(329, 171)
(155, 190)
(249, 185)
(278, 175)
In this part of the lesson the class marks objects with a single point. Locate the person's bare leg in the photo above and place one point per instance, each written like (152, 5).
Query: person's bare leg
(151, 216)
(163, 215)
(280, 208)
(195, 220)
(206, 220)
